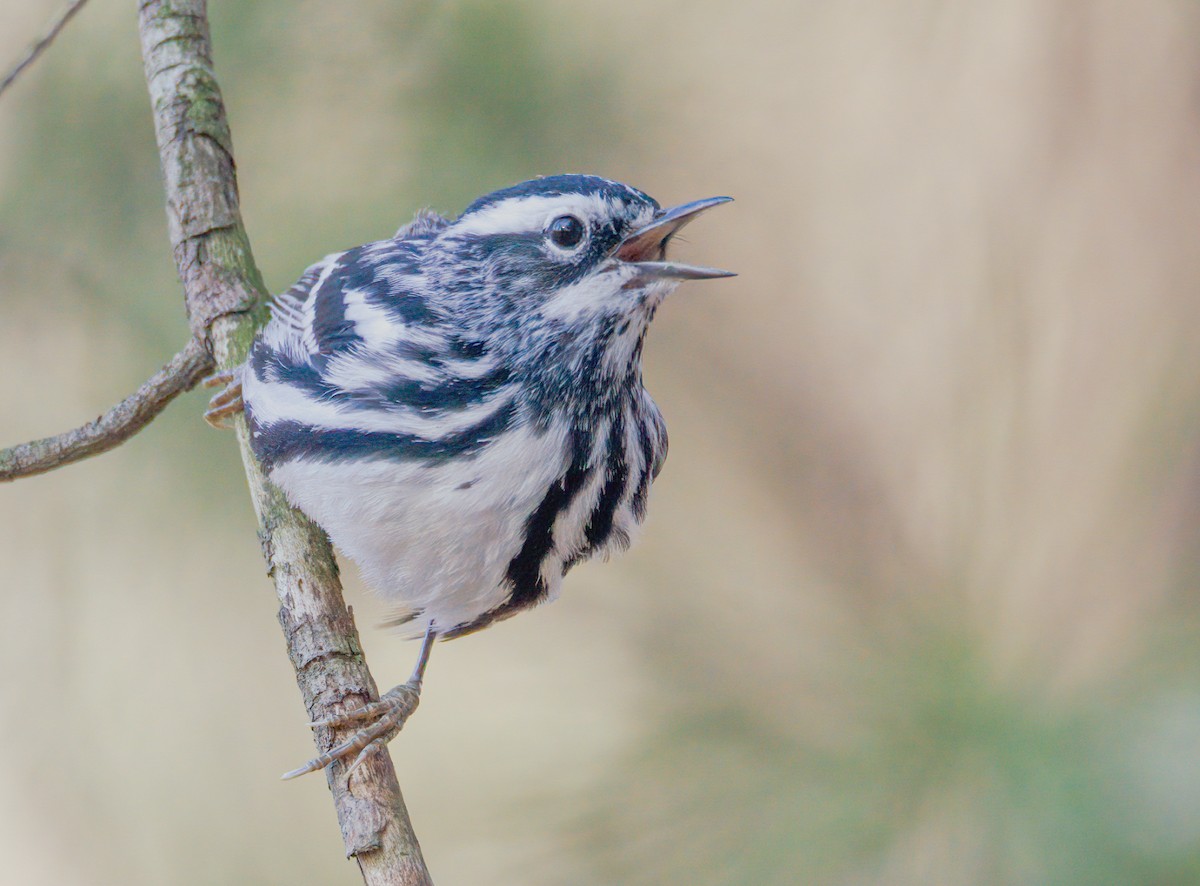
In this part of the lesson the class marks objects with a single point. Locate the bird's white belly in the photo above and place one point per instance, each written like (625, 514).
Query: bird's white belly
(434, 537)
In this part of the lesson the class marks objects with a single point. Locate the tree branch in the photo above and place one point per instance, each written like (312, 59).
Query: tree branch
(40, 46)
(114, 427)
(225, 297)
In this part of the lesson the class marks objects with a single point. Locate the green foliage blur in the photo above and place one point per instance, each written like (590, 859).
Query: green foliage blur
(917, 601)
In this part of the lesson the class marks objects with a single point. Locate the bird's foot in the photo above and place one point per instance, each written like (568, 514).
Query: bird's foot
(385, 719)
(227, 403)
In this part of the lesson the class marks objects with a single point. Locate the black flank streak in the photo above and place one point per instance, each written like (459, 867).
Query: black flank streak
(642, 492)
(600, 523)
(524, 571)
(637, 350)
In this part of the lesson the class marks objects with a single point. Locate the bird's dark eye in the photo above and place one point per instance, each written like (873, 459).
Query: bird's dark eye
(566, 231)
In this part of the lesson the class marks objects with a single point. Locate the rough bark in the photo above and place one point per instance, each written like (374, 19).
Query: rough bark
(225, 296)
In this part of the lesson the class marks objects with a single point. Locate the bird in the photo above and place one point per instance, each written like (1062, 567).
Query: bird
(461, 406)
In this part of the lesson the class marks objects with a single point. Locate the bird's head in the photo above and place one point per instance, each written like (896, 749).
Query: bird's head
(567, 268)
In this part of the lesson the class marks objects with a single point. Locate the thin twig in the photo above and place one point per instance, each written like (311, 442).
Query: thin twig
(114, 427)
(224, 295)
(38, 48)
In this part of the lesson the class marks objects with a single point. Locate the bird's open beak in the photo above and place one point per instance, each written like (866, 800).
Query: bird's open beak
(647, 246)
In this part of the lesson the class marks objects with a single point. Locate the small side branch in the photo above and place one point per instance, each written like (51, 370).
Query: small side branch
(38, 48)
(114, 427)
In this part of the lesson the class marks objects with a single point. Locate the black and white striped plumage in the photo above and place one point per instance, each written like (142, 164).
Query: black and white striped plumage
(461, 406)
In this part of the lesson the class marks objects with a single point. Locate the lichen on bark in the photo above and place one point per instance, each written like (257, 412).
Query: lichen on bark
(225, 300)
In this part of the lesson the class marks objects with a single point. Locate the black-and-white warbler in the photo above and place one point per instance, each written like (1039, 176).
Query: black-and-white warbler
(461, 407)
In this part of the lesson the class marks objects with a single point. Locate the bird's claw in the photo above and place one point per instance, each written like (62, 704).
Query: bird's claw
(227, 403)
(387, 717)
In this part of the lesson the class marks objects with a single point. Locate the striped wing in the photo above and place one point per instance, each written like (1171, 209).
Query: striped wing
(356, 363)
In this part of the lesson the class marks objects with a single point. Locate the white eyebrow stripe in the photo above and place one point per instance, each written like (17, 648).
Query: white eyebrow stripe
(528, 214)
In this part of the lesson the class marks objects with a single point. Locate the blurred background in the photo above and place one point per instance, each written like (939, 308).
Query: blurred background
(917, 601)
